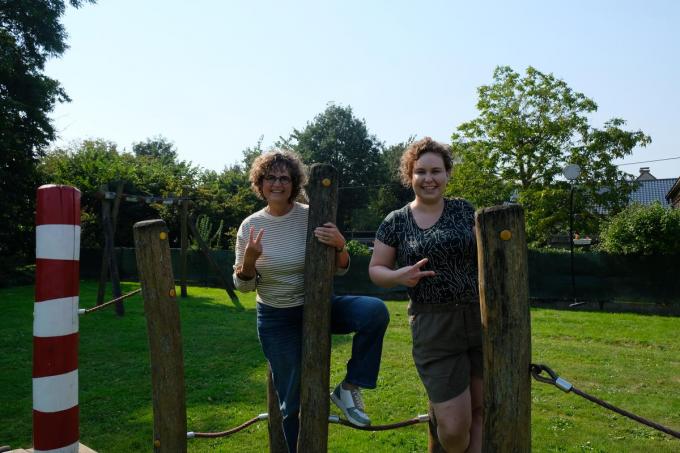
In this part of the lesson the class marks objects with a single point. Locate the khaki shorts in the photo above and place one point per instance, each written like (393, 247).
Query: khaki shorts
(447, 347)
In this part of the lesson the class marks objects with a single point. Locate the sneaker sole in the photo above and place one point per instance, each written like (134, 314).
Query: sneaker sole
(344, 411)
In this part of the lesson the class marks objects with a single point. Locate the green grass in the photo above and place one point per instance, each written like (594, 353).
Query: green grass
(632, 361)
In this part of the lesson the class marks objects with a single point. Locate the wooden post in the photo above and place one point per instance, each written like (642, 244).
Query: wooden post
(504, 299)
(322, 190)
(184, 240)
(277, 441)
(226, 281)
(104, 272)
(110, 253)
(165, 341)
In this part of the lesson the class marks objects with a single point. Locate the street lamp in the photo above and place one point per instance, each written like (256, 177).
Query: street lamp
(571, 172)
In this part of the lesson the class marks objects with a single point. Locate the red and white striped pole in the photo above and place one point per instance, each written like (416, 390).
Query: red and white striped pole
(55, 324)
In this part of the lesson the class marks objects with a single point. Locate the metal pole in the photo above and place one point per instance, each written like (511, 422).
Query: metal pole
(571, 241)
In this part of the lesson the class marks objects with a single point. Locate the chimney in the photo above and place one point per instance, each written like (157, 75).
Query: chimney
(645, 175)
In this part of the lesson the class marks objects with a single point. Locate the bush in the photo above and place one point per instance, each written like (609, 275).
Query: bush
(356, 248)
(18, 276)
(642, 230)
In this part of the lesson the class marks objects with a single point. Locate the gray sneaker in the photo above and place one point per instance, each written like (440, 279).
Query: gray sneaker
(351, 404)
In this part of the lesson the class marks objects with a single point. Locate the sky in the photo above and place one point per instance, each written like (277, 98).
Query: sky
(215, 76)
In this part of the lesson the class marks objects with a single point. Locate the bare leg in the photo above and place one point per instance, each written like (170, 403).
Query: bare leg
(477, 402)
(454, 419)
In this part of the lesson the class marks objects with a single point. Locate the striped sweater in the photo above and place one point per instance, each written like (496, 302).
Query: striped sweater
(281, 267)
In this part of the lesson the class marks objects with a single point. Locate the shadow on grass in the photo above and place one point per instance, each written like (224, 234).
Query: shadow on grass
(224, 367)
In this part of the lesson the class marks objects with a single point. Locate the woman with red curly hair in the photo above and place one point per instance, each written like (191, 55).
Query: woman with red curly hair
(432, 242)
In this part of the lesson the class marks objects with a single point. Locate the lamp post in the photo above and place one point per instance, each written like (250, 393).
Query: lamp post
(571, 172)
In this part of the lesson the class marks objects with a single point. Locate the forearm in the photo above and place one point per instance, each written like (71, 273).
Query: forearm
(245, 273)
(341, 259)
(383, 276)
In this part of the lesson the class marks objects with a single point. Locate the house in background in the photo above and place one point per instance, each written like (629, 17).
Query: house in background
(673, 195)
(650, 189)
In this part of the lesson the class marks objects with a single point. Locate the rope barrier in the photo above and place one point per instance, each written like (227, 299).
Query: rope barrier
(331, 419)
(412, 421)
(536, 372)
(191, 434)
(565, 386)
(99, 307)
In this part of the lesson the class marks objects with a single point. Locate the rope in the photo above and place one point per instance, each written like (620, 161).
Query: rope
(99, 307)
(331, 419)
(191, 434)
(412, 421)
(566, 387)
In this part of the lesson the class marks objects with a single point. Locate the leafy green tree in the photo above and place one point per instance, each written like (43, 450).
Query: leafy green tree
(252, 153)
(392, 194)
(642, 230)
(225, 197)
(528, 129)
(338, 138)
(87, 166)
(30, 33)
(158, 148)
(90, 164)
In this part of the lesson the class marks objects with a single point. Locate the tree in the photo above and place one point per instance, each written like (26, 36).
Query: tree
(337, 138)
(252, 153)
(30, 33)
(90, 164)
(642, 230)
(529, 128)
(392, 194)
(226, 197)
(158, 148)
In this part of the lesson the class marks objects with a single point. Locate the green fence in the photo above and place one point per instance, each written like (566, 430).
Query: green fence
(598, 276)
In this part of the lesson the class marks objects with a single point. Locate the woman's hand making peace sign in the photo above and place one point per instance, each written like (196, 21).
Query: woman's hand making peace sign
(254, 247)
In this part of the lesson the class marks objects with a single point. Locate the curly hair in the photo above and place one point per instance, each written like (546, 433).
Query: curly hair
(417, 149)
(278, 160)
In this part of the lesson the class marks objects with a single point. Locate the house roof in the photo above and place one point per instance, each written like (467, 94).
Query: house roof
(673, 191)
(652, 190)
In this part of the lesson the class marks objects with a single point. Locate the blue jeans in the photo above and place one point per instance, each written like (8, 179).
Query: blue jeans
(280, 333)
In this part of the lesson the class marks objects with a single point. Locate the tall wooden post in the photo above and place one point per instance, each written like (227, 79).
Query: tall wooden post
(322, 190)
(165, 341)
(277, 441)
(504, 298)
(104, 271)
(184, 241)
(110, 253)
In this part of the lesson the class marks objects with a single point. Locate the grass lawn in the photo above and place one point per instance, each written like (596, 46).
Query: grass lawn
(632, 361)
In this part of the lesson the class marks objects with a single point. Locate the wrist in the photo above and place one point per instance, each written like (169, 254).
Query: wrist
(244, 275)
(341, 249)
(246, 272)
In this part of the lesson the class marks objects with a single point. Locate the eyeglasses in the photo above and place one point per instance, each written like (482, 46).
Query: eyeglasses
(271, 179)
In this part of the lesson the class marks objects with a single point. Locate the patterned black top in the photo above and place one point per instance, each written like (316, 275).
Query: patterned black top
(449, 245)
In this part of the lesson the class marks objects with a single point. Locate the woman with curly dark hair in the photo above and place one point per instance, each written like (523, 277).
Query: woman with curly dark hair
(432, 241)
(270, 259)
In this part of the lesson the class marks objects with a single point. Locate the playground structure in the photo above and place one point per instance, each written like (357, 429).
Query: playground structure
(110, 204)
(505, 320)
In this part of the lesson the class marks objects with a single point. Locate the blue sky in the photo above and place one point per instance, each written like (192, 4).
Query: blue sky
(214, 76)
